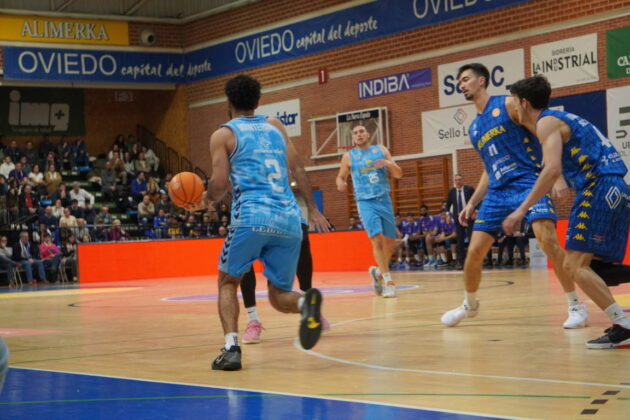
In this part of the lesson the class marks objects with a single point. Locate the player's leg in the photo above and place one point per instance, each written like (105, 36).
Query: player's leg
(248, 290)
(480, 243)
(305, 262)
(378, 218)
(280, 256)
(429, 241)
(577, 266)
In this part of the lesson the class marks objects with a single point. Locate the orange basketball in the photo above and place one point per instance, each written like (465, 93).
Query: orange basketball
(185, 189)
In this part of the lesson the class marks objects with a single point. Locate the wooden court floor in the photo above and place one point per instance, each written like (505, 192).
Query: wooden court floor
(513, 360)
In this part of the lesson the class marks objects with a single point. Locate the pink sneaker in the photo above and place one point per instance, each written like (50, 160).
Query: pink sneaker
(325, 323)
(252, 332)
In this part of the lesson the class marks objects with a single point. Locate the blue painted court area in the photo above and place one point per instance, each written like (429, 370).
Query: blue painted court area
(36, 394)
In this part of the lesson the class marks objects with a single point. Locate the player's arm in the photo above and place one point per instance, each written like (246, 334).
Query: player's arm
(549, 134)
(317, 220)
(344, 171)
(389, 163)
(475, 199)
(219, 181)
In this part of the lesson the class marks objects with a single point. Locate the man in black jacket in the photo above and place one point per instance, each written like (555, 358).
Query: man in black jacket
(458, 196)
(28, 255)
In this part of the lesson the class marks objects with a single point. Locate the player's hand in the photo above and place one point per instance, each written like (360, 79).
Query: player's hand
(512, 223)
(381, 163)
(203, 204)
(318, 221)
(342, 186)
(560, 188)
(465, 215)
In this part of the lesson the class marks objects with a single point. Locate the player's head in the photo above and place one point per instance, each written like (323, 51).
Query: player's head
(473, 78)
(360, 135)
(531, 93)
(243, 93)
(423, 210)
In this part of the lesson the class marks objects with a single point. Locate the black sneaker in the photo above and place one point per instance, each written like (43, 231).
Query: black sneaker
(616, 337)
(228, 359)
(310, 325)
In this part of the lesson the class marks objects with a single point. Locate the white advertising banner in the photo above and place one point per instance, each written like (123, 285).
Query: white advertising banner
(505, 68)
(618, 116)
(286, 111)
(447, 128)
(568, 62)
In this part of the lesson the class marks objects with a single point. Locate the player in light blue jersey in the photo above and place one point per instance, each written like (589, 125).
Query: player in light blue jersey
(600, 217)
(254, 154)
(4, 362)
(512, 158)
(368, 164)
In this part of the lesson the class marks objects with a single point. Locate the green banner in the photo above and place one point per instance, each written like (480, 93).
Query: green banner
(618, 53)
(37, 111)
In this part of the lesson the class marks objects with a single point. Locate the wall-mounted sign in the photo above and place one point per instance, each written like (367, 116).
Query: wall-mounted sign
(288, 112)
(394, 83)
(66, 30)
(447, 129)
(618, 53)
(618, 115)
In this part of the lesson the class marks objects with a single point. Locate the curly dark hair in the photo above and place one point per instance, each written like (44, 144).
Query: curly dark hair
(243, 92)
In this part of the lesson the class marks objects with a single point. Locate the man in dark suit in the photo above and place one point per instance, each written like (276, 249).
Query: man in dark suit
(28, 255)
(458, 196)
(28, 201)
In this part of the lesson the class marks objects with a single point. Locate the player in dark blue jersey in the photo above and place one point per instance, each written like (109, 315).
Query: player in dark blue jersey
(512, 158)
(254, 154)
(600, 217)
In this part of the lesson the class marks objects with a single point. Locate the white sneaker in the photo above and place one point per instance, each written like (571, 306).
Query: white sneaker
(454, 316)
(578, 317)
(377, 284)
(389, 290)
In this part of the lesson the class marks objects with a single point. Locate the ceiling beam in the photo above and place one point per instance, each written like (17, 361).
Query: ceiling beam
(134, 7)
(63, 6)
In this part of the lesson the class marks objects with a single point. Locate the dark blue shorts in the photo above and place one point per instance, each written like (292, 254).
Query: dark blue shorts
(500, 202)
(599, 219)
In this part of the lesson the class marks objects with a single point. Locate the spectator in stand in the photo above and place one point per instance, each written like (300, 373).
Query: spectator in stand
(31, 154)
(48, 219)
(79, 151)
(174, 230)
(13, 203)
(4, 185)
(152, 160)
(222, 231)
(103, 216)
(138, 187)
(51, 159)
(82, 196)
(141, 165)
(109, 179)
(165, 203)
(68, 223)
(115, 149)
(446, 237)
(224, 210)
(18, 173)
(28, 256)
(45, 147)
(82, 230)
(6, 262)
(64, 153)
(50, 254)
(89, 213)
(119, 142)
(29, 202)
(225, 221)
(13, 151)
(355, 225)
(61, 194)
(117, 233)
(36, 180)
(132, 144)
(57, 208)
(134, 151)
(52, 179)
(118, 166)
(7, 166)
(190, 226)
(146, 211)
(69, 260)
(160, 224)
(208, 227)
(153, 189)
(129, 165)
(76, 210)
(166, 180)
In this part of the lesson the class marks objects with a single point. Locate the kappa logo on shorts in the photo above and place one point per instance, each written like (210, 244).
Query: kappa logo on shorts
(613, 197)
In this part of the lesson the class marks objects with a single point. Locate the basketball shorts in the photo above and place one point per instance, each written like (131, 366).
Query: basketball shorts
(417, 245)
(278, 251)
(500, 202)
(377, 216)
(599, 219)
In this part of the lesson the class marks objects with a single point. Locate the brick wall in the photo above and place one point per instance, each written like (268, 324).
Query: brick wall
(405, 108)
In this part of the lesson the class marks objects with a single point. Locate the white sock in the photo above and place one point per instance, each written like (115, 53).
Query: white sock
(617, 315)
(417, 257)
(443, 256)
(252, 314)
(378, 271)
(572, 298)
(387, 277)
(454, 256)
(300, 303)
(231, 339)
(471, 299)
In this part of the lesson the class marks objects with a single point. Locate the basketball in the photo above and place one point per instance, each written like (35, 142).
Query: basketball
(185, 189)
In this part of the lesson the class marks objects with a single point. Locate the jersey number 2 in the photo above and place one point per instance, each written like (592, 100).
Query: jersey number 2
(274, 175)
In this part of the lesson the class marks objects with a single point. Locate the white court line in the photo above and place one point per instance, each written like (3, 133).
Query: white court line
(314, 396)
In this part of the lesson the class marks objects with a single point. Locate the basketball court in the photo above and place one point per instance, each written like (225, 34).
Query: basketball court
(143, 349)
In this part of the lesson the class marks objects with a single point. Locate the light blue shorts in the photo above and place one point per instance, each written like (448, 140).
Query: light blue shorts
(377, 216)
(278, 251)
